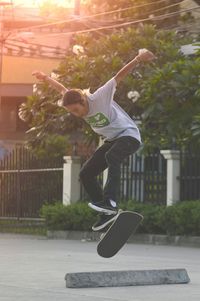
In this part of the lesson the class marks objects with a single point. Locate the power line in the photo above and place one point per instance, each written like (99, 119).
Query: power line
(50, 49)
(113, 25)
(150, 12)
(90, 16)
(168, 6)
(154, 18)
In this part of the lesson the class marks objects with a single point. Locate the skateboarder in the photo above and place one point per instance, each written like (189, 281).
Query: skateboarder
(108, 119)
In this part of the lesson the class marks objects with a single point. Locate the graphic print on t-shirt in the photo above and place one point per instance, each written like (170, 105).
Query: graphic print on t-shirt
(98, 120)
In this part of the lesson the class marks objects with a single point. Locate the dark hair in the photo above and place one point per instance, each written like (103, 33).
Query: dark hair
(72, 96)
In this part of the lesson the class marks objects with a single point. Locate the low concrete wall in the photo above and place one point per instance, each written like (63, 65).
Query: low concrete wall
(188, 241)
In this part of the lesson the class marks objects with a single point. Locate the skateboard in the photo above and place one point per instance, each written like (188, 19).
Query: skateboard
(118, 233)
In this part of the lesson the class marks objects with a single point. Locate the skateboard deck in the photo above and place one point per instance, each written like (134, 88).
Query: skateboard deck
(118, 233)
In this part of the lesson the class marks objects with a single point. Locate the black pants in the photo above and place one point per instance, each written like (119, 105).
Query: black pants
(109, 155)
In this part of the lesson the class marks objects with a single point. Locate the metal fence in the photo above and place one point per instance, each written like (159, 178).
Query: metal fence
(143, 178)
(190, 174)
(26, 183)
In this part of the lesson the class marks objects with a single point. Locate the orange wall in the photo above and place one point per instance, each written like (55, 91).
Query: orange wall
(17, 70)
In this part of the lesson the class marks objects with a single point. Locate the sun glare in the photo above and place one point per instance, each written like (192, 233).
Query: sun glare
(37, 3)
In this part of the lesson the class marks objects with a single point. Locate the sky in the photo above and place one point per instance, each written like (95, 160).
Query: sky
(36, 3)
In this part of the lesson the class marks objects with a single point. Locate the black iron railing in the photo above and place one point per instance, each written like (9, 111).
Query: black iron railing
(143, 178)
(26, 183)
(190, 174)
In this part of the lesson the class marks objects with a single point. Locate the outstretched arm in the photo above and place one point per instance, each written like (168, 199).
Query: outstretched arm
(52, 82)
(144, 55)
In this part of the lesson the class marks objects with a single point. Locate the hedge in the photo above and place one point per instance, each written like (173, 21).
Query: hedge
(180, 219)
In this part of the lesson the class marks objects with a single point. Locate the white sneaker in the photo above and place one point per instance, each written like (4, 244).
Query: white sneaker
(104, 207)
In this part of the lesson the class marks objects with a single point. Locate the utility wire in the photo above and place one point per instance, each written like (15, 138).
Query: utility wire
(113, 25)
(153, 18)
(89, 16)
(116, 25)
(150, 12)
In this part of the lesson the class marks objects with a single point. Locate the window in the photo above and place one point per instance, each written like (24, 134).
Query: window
(9, 120)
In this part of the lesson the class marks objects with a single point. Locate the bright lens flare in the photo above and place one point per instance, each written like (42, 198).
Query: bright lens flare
(37, 3)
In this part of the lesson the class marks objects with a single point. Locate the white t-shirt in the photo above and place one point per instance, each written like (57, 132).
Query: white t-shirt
(106, 117)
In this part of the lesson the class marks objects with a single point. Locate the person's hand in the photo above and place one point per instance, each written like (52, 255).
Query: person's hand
(39, 75)
(145, 55)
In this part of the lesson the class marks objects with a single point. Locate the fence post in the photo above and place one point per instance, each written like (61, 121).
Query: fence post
(71, 183)
(18, 195)
(173, 175)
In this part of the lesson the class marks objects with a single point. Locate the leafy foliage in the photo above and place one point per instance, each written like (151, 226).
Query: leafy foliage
(73, 217)
(171, 103)
(56, 146)
(180, 219)
(49, 124)
(137, 9)
(51, 10)
(101, 59)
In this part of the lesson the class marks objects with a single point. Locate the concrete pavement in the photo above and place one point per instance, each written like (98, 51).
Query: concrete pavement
(33, 268)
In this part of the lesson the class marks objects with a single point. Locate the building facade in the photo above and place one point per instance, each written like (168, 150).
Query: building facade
(25, 46)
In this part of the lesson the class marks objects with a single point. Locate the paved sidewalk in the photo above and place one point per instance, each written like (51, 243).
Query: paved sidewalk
(34, 269)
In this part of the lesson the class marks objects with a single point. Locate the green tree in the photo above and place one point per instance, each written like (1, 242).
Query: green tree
(196, 118)
(171, 103)
(101, 59)
(50, 9)
(141, 9)
(49, 124)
